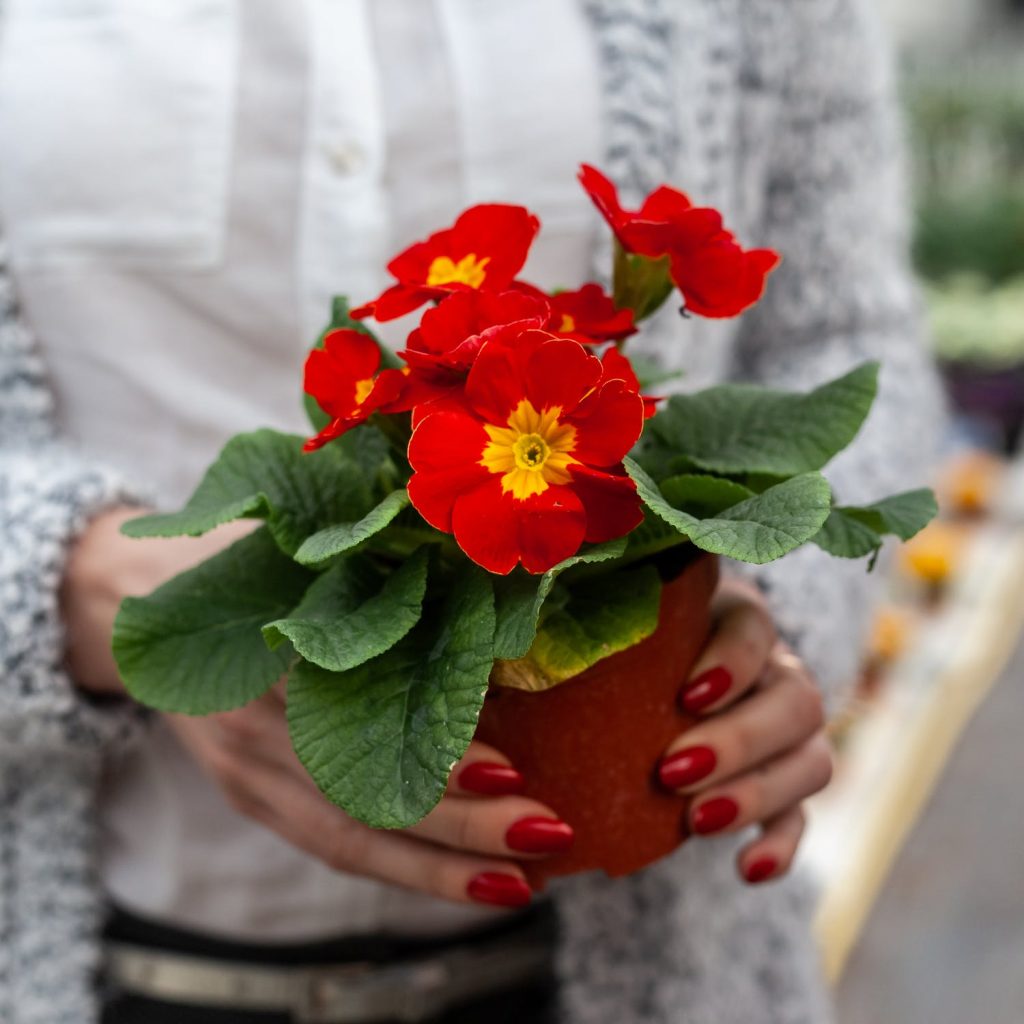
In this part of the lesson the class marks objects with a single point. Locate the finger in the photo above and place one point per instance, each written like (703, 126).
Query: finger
(507, 826)
(771, 855)
(733, 659)
(307, 820)
(761, 795)
(752, 732)
(260, 730)
(484, 771)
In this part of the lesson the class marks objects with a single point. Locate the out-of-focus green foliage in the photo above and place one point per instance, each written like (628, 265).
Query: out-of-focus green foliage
(976, 322)
(966, 119)
(981, 234)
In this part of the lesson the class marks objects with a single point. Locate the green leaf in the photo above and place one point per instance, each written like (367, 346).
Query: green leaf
(266, 475)
(853, 532)
(519, 598)
(902, 515)
(758, 530)
(599, 617)
(703, 496)
(340, 317)
(354, 612)
(843, 536)
(319, 549)
(380, 740)
(738, 429)
(194, 645)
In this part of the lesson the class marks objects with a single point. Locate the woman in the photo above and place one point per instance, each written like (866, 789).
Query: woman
(179, 203)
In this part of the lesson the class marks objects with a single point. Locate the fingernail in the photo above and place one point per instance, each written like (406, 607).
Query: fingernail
(539, 835)
(686, 767)
(499, 890)
(714, 815)
(491, 779)
(706, 688)
(760, 869)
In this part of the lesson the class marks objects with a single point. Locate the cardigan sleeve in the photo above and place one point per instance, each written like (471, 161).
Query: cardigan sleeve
(48, 493)
(836, 208)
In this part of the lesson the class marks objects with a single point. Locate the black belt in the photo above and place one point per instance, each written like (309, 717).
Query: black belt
(355, 980)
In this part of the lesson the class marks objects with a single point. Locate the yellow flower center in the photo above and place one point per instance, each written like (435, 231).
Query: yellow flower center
(469, 270)
(363, 389)
(532, 452)
(568, 324)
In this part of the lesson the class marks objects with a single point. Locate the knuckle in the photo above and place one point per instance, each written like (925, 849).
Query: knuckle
(812, 706)
(237, 725)
(346, 849)
(242, 801)
(824, 765)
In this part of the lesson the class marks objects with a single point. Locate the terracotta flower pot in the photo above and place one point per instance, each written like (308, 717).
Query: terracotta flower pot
(589, 746)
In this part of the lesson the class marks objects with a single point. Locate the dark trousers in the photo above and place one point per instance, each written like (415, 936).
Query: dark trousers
(535, 1003)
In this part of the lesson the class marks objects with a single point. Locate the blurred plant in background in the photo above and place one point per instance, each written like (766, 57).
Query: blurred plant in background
(966, 118)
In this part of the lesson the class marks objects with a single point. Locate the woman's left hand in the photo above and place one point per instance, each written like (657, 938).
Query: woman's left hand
(760, 748)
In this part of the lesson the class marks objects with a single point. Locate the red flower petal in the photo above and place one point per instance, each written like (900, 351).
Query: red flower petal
(664, 203)
(497, 382)
(332, 372)
(725, 280)
(497, 532)
(445, 451)
(589, 315)
(392, 303)
(611, 503)
(560, 372)
(604, 195)
(608, 424)
(618, 367)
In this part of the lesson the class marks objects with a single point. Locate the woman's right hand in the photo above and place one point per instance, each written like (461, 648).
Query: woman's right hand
(462, 851)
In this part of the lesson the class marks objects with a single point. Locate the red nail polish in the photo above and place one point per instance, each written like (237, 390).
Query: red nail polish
(499, 890)
(491, 779)
(714, 815)
(761, 869)
(686, 767)
(539, 835)
(707, 688)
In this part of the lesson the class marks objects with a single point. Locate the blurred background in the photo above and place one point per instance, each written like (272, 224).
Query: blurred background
(919, 844)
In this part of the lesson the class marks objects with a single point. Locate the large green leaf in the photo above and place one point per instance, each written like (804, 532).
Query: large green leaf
(853, 532)
(703, 496)
(758, 530)
(381, 739)
(596, 618)
(319, 549)
(519, 598)
(354, 612)
(194, 645)
(738, 429)
(266, 475)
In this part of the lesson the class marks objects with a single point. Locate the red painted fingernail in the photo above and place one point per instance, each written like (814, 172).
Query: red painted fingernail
(539, 835)
(706, 689)
(760, 869)
(498, 889)
(714, 815)
(491, 779)
(686, 767)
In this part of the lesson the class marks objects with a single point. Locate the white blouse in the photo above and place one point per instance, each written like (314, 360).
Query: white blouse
(181, 202)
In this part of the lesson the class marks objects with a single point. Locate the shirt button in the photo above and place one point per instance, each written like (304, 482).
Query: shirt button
(346, 157)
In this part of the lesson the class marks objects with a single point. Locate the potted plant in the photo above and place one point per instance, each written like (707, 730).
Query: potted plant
(500, 534)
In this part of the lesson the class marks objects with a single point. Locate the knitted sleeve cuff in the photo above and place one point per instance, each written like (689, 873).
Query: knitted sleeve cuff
(47, 496)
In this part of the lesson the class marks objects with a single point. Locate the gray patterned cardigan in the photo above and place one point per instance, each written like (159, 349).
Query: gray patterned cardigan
(776, 110)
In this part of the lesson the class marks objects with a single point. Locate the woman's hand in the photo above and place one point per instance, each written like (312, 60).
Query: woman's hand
(760, 749)
(461, 851)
